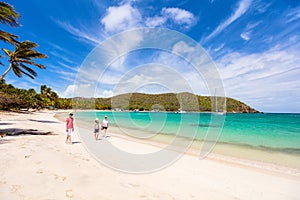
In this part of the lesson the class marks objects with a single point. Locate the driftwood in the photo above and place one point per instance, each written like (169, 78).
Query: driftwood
(17, 131)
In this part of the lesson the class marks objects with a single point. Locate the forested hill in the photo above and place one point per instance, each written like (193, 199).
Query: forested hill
(12, 98)
(170, 102)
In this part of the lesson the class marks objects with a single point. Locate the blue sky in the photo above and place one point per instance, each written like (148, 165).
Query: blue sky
(255, 44)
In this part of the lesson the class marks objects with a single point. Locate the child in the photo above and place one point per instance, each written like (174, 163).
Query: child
(96, 129)
(69, 128)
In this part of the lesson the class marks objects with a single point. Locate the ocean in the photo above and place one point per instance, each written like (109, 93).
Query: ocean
(267, 132)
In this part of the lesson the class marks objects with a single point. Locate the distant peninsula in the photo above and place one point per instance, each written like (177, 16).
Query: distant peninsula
(12, 98)
(164, 102)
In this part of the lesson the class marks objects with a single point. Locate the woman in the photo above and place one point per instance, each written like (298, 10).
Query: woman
(105, 126)
(69, 128)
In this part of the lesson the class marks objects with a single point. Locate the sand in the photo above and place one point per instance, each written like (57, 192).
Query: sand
(44, 167)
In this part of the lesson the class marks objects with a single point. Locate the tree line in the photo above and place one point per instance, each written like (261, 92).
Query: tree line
(12, 98)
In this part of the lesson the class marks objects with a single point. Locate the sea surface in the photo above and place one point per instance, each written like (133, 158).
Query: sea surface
(269, 131)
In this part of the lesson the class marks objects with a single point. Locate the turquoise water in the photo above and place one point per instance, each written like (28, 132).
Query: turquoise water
(270, 131)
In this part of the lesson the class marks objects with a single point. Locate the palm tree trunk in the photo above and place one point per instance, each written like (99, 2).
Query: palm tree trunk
(6, 72)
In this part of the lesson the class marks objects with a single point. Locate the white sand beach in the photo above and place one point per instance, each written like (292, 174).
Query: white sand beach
(44, 167)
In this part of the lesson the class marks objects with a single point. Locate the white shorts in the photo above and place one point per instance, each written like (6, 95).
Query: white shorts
(69, 132)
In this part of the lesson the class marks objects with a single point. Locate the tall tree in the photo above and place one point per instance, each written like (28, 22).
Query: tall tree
(22, 56)
(8, 16)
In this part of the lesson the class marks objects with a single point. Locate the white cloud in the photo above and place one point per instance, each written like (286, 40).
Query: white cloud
(248, 30)
(110, 77)
(77, 32)
(176, 16)
(71, 68)
(261, 6)
(78, 90)
(245, 36)
(123, 17)
(120, 18)
(68, 93)
(242, 9)
(117, 48)
(218, 48)
(263, 79)
(155, 21)
(72, 91)
(179, 16)
(61, 56)
(293, 14)
(182, 47)
(107, 93)
(150, 77)
(103, 93)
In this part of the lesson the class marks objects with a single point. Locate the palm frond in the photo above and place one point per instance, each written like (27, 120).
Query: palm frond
(27, 74)
(30, 62)
(27, 45)
(40, 66)
(8, 15)
(8, 37)
(31, 71)
(17, 70)
(30, 54)
(1, 62)
(7, 52)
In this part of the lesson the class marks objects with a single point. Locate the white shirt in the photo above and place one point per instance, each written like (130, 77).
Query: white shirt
(105, 123)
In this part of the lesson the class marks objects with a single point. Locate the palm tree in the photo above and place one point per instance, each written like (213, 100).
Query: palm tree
(23, 54)
(8, 16)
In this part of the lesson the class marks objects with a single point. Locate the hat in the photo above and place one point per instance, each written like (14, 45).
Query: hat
(96, 119)
(105, 116)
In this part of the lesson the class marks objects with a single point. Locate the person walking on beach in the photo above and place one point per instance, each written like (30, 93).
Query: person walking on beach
(96, 129)
(69, 128)
(105, 126)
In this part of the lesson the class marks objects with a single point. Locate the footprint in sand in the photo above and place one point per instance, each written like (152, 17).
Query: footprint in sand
(27, 156)
(15, 188)
(57, 177)
(69, 194)
(3, 182)
(40, 171)
(130, 185)
(85, 159)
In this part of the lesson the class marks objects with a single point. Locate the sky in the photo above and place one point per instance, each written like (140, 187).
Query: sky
(253, 44)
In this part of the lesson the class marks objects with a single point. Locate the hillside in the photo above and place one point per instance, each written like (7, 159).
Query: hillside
(12, 98)
(174, 102)
(164, 102)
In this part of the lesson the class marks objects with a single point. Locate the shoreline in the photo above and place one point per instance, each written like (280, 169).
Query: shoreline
(267, 159)
(44, 167)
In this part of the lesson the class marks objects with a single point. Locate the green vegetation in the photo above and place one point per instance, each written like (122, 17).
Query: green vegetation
(12, 98)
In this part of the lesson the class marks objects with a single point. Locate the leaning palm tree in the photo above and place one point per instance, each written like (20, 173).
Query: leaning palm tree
(22, 56)
(8, 16)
